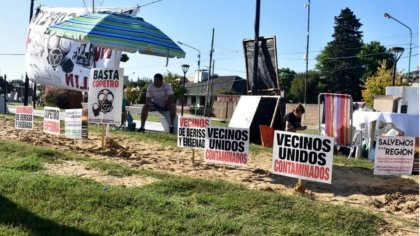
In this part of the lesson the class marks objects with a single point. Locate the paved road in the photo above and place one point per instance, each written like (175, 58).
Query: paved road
(150, 125)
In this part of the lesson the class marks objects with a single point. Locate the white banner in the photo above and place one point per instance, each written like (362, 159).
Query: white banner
(394, 156)
(51, 123)
(61, 62)
(227, 146)
(105, 96)
(73, 123)
(24, 118)
(192, 132)
(303, 156)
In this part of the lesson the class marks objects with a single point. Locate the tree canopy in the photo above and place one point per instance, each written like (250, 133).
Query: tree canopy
(338, 62)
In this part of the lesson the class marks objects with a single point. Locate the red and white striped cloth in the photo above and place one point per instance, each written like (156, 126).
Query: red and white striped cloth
(337, 110)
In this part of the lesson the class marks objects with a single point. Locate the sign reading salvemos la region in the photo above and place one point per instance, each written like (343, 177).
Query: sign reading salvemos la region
(73, 123)
(51, 120)
(228, 146)
(24, 118)
(105, 95)
(192, 132)
(303, 156)
(394, 156)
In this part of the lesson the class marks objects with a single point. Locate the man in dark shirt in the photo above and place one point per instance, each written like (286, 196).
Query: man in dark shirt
(292, 121)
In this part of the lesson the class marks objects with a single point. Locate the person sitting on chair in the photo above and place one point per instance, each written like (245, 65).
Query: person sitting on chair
(159, 97)
(292, 121)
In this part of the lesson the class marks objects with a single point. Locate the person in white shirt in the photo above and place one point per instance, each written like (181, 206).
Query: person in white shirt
(159, 97)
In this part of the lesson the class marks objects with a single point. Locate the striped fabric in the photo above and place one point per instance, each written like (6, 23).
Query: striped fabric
(117, 31)
(337, 110)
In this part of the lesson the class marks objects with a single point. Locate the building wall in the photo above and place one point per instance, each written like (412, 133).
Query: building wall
(311, 117)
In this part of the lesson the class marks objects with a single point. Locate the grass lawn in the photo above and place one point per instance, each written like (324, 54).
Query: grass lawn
(34, 203)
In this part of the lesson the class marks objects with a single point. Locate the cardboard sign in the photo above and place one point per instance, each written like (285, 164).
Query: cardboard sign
(228, 146)
(394, 155)
(308, 157)
(105, 95)
(51, 120)
(24, 118)
(192, 132)
(73, 123)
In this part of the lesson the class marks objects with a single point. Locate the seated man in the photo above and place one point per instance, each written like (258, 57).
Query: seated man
(159, 97)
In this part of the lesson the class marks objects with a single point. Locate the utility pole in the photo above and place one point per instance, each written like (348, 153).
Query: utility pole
(5, 93)
(25, 96)
(208, 96)
(308, 5)
(256, 49)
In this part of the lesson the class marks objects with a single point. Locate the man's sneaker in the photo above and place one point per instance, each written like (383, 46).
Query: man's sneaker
(141, 129)
(171, 130)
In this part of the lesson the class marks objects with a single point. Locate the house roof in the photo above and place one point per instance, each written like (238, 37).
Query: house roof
(216, 84)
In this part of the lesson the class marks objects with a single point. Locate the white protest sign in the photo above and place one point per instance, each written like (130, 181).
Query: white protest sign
(192, 132)
(308, 157)
(51, 123)
(105, 95)
(60, 62)
(245, 112)
(394, 155)
(73, 123)
(228, 146)
(24, 118)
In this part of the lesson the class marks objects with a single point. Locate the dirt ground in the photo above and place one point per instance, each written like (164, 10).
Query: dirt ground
(390, 195)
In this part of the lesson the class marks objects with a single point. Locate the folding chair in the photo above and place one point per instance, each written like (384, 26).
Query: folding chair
(336, 119)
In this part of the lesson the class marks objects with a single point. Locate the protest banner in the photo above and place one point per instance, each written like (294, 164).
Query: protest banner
(73, 123)
(24, 118)
(192, 132)
(105, 96)
(301, 156)
(228, 146)
(394, 155)
(51, 124)
(60, 62)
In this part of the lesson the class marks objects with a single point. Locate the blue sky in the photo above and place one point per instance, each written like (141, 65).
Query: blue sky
(192, 21)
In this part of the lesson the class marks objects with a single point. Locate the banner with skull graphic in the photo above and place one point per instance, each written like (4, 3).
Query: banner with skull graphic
(62, 62)
(105, 95)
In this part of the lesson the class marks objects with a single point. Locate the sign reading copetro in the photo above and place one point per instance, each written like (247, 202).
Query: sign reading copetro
(394, 156)
(308, 157)
(105, 96)
(227, 146)
(24, 118)
(192, 132)
(51, 123)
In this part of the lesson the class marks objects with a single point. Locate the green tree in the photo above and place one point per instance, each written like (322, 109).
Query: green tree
(338, 62)
(371, 56)
(314, 86)
(286, 76)
(176, 83)
(376, 84)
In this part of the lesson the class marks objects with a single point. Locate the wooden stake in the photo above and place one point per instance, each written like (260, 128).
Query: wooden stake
(192, 157)
(224, 169)
(103, 136)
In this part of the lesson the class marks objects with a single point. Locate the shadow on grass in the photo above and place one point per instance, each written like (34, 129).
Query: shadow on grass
(12, 214)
